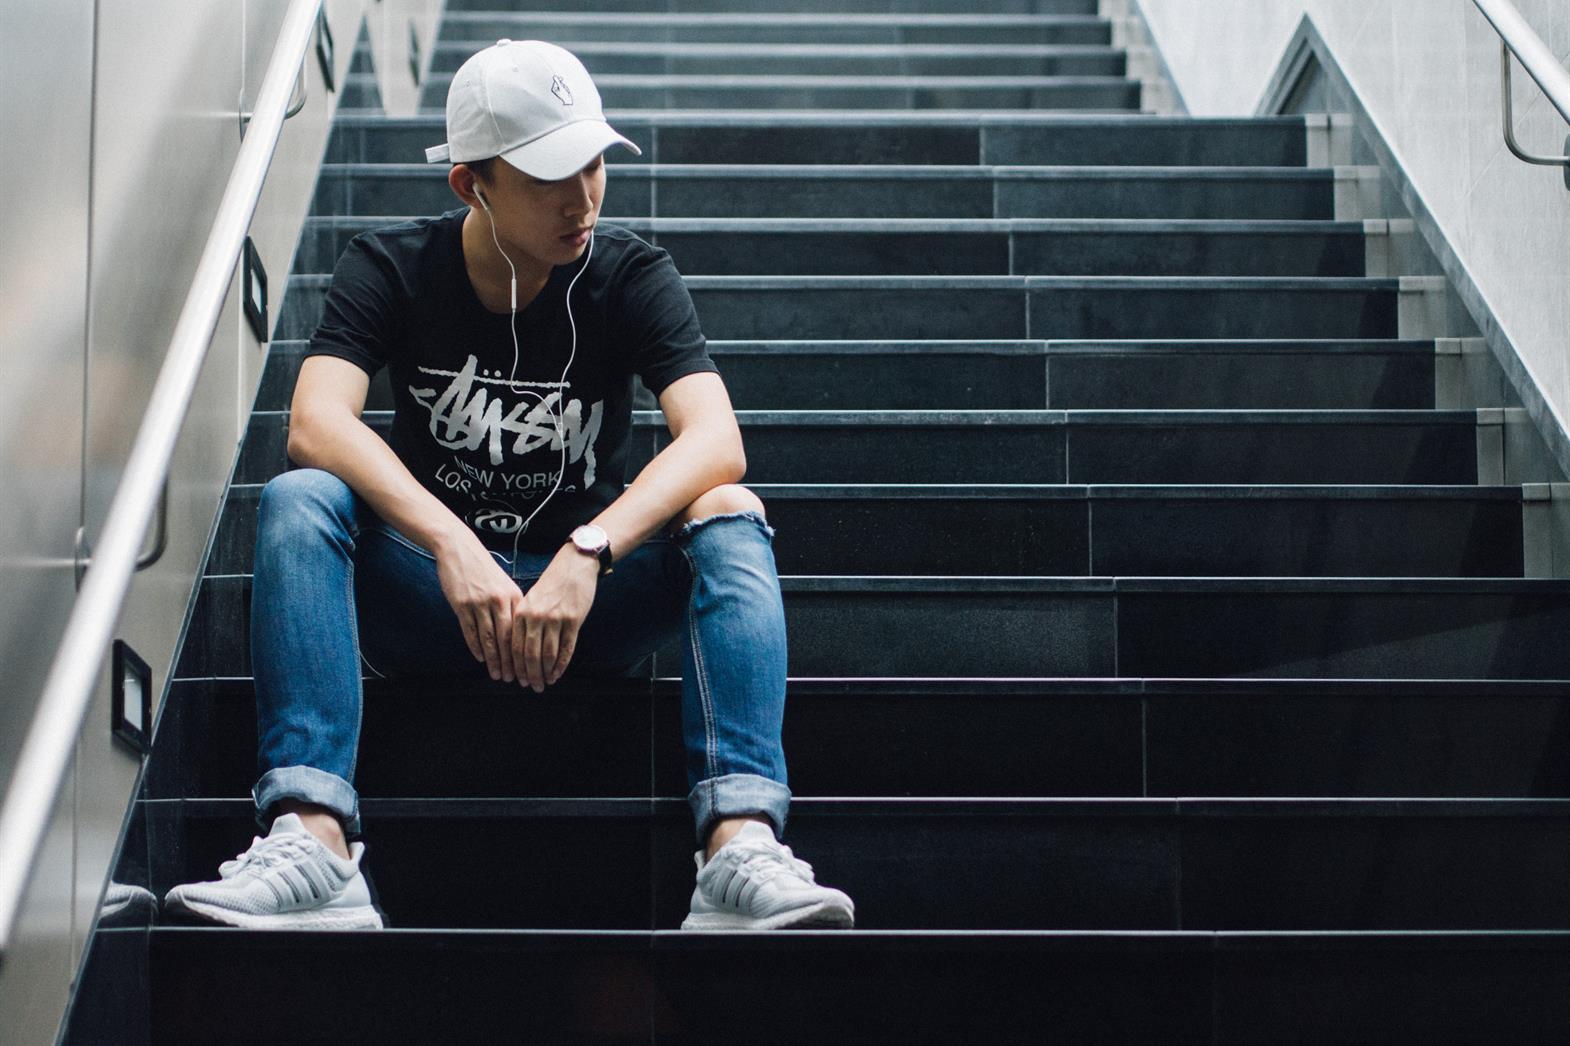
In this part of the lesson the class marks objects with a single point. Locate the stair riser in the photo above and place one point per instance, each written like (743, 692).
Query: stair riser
(636, 191)
(1186, 991)
(1129, 867)
(974, 632)
(963, 313)
(724, 7)
(899, 380)
(1107, 536)
(850, 95)
(1277, 143)
(964, 253)
(360, 92)
(490, 744)
(1415, 451)
(895, 29)
(663, 61)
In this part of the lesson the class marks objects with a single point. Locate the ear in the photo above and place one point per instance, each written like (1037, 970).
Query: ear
(463, 182)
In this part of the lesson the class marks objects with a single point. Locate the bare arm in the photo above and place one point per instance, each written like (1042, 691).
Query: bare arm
(705, 452)
(326, 432)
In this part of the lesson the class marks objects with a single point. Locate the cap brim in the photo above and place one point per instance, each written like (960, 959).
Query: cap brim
(566, 150)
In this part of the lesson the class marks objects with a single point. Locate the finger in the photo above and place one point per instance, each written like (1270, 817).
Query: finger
(501, 620)
(569, 642)
(487, 630)
(520, 631)
(550, 640)
(531, 655)
(471, 634)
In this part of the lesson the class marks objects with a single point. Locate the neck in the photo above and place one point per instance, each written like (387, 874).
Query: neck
(488, 270)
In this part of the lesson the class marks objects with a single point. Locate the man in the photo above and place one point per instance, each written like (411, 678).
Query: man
(485, 533)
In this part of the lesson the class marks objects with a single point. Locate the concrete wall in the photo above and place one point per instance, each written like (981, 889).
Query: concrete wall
(1428, 73)
(121, 127)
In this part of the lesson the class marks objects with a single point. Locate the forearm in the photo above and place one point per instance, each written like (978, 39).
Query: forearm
(348, 448)
(693, 463)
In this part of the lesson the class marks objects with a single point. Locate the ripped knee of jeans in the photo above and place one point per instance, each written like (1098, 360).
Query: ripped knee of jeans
(692, 525)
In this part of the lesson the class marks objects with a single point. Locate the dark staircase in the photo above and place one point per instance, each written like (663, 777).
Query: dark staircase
(1164, 667)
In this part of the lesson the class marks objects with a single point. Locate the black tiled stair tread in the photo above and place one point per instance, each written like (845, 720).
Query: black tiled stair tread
(623, 986)
(1070, 94)
(1430, 628)
(882, 191)
(884, 8)
(1046, 446)
(1006, 863)
(674, 59)
(887, 136)
(1104, 530)
(961, 307)
(1403, 738)
(770, 25)
(892, 246)
(1024, 375)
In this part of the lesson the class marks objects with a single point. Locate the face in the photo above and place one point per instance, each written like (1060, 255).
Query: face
(535, 216)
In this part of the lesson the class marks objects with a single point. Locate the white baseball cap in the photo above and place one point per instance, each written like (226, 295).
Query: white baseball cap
(531, 103)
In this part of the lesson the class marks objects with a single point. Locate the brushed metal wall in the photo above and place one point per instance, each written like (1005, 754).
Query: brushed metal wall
(46, 46)
(121, 126)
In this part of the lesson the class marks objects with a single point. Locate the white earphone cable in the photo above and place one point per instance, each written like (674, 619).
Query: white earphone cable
(561, 399)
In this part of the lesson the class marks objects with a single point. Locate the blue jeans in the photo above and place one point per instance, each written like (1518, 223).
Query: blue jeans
(334, 583)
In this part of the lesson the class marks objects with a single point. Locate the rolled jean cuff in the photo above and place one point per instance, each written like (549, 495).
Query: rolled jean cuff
(310, 785)
(733, 795)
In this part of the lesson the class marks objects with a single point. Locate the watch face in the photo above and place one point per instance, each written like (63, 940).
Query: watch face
(589, 537)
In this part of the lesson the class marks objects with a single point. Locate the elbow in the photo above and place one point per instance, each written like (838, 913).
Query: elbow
(298, 444)
(738, 461)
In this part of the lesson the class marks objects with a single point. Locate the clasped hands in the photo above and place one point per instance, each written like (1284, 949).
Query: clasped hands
(528, 637)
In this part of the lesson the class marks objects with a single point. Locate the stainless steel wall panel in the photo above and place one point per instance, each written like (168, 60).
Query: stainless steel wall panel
(46, 65)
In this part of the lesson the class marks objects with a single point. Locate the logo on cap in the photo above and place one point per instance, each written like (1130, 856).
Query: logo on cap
(560, 89)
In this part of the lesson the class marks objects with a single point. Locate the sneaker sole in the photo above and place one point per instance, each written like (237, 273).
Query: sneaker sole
(311, 919)
(823, 915)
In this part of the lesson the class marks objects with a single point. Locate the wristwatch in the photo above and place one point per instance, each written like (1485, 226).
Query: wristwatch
(593, 541)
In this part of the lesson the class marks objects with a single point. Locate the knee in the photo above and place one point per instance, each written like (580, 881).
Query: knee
(293, 498)
(722, 500)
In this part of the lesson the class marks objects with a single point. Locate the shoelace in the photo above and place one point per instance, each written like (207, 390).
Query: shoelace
(263, 854)
(765, 862)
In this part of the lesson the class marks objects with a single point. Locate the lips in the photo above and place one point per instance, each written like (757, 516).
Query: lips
(579, 237)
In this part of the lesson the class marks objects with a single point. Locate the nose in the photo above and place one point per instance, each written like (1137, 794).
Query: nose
(582, 201)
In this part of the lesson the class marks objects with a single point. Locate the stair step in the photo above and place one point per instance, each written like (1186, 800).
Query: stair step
(359, 92)
(880, 191)
(889, 137)
(651, 57)
(1023, 375)
(1005, 863)
(1045, 446)
(772, 24)
(846, 92)
(1191, 531)
(970, 307)
(1421, 628)
(890, 986)
(724, 8)
(953, 247)
(1088, 737)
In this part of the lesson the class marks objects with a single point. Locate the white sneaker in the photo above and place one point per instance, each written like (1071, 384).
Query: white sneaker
(289, 880)
(755, 883)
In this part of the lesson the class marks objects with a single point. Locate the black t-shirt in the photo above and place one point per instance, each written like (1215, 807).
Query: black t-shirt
(485, 445)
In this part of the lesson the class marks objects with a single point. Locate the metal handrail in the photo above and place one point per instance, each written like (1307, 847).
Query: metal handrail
(51, 737)
(1517, 37)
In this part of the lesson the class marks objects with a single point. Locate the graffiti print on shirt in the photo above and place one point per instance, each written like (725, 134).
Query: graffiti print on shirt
(478, 410)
